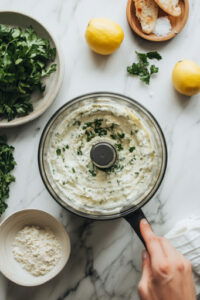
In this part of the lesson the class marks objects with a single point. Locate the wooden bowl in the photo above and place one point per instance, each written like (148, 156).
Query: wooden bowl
(8, 230)
(41, 102)
(177, 23)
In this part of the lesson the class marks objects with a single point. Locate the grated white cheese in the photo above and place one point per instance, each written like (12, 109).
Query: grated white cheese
(163, 26)
(36, 249)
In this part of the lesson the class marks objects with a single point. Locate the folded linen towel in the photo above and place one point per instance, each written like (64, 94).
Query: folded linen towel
(185, 237)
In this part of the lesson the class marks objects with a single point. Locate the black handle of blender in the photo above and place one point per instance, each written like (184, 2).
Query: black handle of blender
(134, 220)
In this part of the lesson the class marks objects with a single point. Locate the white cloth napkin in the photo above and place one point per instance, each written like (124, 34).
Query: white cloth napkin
(185, 237)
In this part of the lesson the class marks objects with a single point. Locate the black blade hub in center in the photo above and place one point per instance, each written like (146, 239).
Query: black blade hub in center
(103, 155)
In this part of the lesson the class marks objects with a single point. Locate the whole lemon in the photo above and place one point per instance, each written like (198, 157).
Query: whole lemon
(186, 77)
(103, 35)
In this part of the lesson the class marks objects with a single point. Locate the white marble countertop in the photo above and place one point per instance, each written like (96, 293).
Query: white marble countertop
(105, 259)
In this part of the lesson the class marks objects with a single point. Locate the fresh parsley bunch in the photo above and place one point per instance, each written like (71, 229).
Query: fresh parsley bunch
(24, 62)
(7, 164)
(142, 68)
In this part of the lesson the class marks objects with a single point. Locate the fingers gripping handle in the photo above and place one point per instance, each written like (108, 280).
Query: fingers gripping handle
(134, 220)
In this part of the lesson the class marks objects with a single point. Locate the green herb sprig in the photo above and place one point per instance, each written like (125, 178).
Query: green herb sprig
(7, 164)
(142, 68)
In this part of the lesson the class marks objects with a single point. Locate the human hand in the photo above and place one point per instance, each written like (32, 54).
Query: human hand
(167, 274)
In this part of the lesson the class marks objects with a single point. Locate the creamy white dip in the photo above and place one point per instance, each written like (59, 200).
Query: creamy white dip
(84, 186)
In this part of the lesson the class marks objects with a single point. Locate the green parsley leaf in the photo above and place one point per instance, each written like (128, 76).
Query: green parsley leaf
(131, 149)
(154, 55)
(94, 128)
(154, 69)
(79, 151)
(142, 68)
(117, 136)
(7, 164)
(121, 135)
(145, 77)
(93, 173)
(142, 58)
(58, 151)
(114, 169)
(119, 147)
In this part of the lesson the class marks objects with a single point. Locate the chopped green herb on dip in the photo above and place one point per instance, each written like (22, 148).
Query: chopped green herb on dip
(58, 151)
(79, 151)
(131, 149)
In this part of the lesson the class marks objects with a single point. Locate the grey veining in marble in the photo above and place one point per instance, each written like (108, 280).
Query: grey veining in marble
(106, 256)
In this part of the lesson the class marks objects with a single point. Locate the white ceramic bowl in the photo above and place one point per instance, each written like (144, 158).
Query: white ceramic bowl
(40, 102)
(8, 230)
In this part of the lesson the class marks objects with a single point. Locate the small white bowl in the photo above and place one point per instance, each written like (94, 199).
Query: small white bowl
(41, 102)
(8, 230)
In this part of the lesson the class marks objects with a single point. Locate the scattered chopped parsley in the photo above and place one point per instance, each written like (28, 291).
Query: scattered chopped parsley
(117, 136)
(58, 151)
(73, 170)
(101, 131)
(24, 62)
(131, 149)
(94, 124)
(113, 136)
(7, 164)
(154, 55)
(114, 169)
(90, 135)
(153, 69)
(121, 135)
(119, 147)
(67, 147)
(92, 169)
(95, 128)
(79, 151)
(93, 173)
(142, 68)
